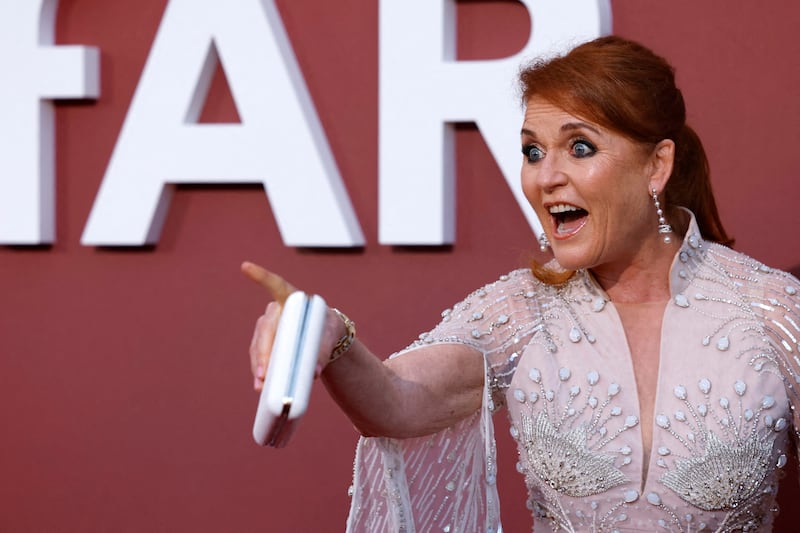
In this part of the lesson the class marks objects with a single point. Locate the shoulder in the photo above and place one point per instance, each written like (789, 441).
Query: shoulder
(750, 274)
(769, 295)
(490, 315)
(496, 297)
(514, 292)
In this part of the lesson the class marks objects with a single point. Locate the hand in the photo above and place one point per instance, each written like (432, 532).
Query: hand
(266, 325)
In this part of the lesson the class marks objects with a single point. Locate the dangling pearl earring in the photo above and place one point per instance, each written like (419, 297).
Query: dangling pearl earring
(663, 228)
(544, 244)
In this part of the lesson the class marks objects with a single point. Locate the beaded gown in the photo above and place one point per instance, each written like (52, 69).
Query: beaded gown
(557, 360)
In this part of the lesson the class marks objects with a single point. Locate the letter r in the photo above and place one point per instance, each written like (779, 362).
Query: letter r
(424, 90)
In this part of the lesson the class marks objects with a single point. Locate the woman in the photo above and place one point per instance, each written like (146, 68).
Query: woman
(649, 372)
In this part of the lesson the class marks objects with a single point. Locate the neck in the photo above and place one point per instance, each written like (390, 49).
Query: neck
(643, 278)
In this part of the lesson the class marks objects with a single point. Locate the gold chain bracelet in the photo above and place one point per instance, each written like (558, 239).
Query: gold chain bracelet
(343, 344)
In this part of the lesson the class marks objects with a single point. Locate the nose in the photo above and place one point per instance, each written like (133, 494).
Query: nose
(548, 174)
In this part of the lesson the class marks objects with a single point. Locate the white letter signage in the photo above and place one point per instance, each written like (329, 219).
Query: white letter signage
(33, 73)
(280, 141)
(424, 90)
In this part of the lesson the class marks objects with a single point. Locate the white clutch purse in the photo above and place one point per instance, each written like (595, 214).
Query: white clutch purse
(290, 373)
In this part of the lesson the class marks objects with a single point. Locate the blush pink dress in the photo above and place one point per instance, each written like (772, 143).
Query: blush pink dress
(557, 360)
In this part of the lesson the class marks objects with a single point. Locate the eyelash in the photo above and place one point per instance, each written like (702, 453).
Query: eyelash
(528, 148)
(589, 145)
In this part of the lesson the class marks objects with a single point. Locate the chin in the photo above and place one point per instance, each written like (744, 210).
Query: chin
(567, 263)
(570, 260)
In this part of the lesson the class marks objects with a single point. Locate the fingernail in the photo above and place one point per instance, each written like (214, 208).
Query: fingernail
(260, 372)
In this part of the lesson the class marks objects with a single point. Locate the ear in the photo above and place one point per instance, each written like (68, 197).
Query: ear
(661, 160)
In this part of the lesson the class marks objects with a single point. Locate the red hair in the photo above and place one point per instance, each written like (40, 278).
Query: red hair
(626, 88)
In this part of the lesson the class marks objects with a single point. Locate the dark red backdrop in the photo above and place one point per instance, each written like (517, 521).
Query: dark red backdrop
(125, 398)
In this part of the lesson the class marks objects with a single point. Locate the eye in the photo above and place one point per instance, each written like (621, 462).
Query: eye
(533, 153)
(583, 148)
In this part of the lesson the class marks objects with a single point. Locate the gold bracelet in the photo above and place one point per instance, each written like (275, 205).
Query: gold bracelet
(343, 344)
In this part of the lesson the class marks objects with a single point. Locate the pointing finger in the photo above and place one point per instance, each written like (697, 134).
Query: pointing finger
(279, 288)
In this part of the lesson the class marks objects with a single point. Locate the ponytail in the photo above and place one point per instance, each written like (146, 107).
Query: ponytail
(690, 186)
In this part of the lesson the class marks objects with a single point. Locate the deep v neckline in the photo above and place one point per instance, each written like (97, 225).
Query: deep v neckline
(642, 324)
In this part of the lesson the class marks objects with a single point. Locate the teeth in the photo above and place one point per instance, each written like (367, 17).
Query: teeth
(562, 208)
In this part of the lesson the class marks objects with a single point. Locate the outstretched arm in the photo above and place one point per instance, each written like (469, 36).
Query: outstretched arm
(420, 392)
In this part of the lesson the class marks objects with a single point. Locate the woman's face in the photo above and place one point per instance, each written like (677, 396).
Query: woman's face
(589, 186)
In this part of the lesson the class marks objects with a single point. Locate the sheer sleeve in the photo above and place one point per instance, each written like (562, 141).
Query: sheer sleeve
(779, 311)
(773, 298)
(447, 481)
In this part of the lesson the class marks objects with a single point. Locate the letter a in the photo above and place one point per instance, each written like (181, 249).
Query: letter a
(280, 141)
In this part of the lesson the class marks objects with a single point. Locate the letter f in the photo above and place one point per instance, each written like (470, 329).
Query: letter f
(34, 72)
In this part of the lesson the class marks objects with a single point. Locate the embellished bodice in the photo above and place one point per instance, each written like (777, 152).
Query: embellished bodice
(557, 358)
(723, 406)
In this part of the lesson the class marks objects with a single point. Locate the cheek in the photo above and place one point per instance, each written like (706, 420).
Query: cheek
(629, 217)
(528, 180)
(532, 194)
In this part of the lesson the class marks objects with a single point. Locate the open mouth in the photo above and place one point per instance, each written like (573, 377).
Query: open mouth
(567, 219)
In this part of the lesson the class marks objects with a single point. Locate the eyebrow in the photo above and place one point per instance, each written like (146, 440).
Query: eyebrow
(569, 126)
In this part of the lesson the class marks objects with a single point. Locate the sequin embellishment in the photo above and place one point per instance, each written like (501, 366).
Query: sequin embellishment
(725, 476)
(563, 460)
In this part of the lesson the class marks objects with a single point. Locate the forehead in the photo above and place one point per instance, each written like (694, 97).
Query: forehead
(543, 114)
